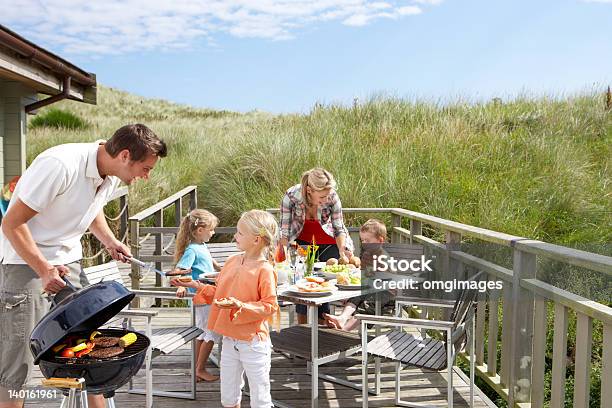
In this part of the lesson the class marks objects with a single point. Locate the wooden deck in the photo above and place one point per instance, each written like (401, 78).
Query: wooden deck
(290, 381)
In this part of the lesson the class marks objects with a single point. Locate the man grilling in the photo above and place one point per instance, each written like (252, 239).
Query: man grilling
(59, 197)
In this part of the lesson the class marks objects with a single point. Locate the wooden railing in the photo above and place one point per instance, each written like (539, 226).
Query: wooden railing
(523, 301)
(155, 215)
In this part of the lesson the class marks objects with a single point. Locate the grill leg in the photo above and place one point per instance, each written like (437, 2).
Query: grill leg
(110, 402)
(84, 402)
(72, 398)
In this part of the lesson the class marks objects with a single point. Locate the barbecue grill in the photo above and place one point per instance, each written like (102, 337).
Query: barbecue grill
(79, 313)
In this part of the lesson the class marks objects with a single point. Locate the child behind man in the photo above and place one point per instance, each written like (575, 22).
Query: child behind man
(373, 235)
(242, 300)
(192, 254)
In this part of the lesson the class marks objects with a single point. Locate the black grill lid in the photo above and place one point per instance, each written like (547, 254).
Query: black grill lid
(81, 311)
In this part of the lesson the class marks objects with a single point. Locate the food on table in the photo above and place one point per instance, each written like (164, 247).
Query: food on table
(106, 341)
(343, 260)
(306, 286)
(355, 261)
(106, 352)
(316, 279)
(336, 268)
(348, 278)
(332, 261)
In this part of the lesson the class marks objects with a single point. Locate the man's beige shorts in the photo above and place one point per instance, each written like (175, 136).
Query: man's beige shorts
(22, 305)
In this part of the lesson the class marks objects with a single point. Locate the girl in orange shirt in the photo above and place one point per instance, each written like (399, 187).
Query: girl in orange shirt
(242, 300)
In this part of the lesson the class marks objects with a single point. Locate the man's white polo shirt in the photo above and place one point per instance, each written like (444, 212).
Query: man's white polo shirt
(64, 187)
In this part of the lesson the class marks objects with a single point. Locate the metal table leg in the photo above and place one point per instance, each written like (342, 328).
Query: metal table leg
(314, 345)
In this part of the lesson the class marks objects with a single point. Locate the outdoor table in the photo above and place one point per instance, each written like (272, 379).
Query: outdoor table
(345, 348)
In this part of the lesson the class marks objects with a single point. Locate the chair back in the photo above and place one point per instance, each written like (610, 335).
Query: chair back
(104, 272)
(463, 312)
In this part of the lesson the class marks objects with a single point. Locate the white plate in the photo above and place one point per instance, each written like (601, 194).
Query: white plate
(208, 276)
(297, 292)
(293, 289)
(351, 287)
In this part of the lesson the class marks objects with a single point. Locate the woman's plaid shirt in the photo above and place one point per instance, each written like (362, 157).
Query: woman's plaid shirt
(293, 215)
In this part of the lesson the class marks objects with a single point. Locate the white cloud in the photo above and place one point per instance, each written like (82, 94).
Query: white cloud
(432, 2)
(122, 26)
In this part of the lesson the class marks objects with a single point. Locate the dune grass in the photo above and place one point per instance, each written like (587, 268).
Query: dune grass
(538, 168)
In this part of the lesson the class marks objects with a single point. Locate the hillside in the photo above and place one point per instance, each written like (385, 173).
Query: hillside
(540, 168)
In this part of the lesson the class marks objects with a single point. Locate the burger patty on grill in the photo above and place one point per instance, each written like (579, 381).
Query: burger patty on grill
(106, 352)
(105, 341)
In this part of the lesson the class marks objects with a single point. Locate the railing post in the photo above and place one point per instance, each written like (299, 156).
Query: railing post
(159, 222)
(582, 368)
(134, 247)
(396, 221)
(178, 212)
(123, 219)
(416, 228)
(450, 268)
(193, 199)
(559, 358)
(539, 353)
(493, 331)
(521, 329)
(606, 365)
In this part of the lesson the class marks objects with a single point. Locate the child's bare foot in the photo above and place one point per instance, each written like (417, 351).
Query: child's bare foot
(335, 322)
(206, 376)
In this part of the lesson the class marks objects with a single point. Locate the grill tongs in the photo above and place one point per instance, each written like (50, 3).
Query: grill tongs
(149, 267)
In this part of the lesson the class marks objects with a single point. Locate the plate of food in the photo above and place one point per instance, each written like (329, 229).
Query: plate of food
(313, 286)
(349, 281)
(223, 302)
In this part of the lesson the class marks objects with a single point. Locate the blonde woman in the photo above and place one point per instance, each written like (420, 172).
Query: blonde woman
(313, 209)
(242, 301)
(192, 255)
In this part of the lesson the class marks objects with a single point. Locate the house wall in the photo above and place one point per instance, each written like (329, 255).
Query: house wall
(13, 127)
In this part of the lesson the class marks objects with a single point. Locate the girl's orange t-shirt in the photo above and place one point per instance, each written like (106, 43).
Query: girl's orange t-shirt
(254, 284)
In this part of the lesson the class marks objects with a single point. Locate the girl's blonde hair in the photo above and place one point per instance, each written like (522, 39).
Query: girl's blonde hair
(196, 218)
(376, 227)
(318, 179)
(263, 224)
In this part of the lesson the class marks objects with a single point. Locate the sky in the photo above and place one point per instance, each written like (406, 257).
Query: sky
(285, 56)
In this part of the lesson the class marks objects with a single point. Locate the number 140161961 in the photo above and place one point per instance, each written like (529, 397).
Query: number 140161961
(35, 393)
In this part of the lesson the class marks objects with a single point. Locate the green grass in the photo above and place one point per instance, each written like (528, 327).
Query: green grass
(539, 168)
(59, 119)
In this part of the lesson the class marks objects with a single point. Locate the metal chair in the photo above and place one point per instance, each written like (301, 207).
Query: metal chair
(415, 349)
